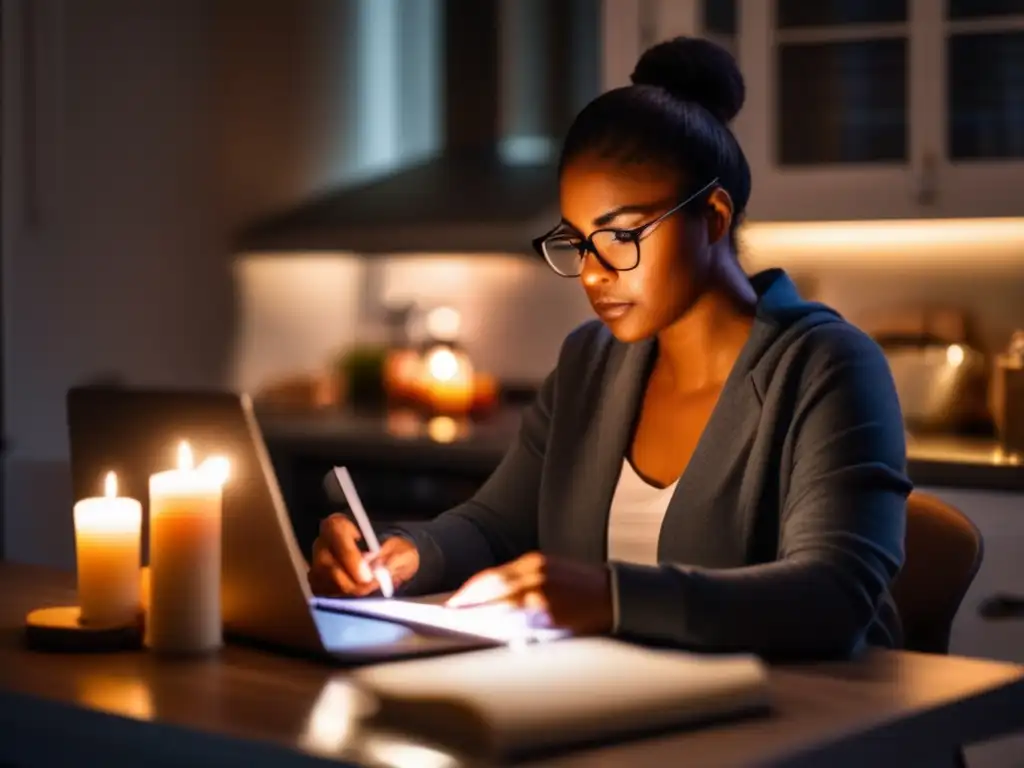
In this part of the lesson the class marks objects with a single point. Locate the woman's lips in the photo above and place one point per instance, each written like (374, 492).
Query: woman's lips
(612, 310)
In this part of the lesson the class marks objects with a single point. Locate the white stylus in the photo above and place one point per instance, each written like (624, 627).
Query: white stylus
(363, 521)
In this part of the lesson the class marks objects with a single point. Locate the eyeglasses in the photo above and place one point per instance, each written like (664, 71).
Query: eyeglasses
(616, 249)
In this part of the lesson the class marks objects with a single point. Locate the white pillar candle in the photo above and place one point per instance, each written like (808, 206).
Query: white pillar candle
(184, 614)
(108, 544)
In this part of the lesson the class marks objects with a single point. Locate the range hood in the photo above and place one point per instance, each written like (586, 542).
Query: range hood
(514, 73)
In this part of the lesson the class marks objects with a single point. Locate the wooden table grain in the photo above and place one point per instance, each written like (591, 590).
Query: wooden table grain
(247, 707)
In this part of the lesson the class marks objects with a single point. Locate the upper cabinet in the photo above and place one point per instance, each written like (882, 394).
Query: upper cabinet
(868, 109)
(979, 104)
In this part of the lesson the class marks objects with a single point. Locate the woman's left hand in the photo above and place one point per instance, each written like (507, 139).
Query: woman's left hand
(574, 596)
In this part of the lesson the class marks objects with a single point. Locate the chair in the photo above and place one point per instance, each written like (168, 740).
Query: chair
(944, 550)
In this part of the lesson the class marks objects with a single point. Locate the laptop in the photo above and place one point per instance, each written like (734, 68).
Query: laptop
(266, 599)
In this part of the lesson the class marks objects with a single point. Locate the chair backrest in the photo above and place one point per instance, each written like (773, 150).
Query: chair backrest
(944, 550)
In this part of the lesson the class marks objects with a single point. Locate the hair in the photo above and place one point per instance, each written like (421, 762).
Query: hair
(676, 113)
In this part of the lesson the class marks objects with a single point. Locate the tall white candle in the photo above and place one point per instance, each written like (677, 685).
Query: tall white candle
(108, 543)
(184, 613)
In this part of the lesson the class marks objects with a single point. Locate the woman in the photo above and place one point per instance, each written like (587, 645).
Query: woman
(716, 463)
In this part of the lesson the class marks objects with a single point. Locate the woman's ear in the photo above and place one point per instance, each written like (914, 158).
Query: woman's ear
(719, 215)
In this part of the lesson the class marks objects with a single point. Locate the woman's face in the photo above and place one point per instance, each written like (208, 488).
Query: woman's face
(675, 255)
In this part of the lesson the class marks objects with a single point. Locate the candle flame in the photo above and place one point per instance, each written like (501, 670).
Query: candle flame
(185, 458)
(110, 485)
(217, 468)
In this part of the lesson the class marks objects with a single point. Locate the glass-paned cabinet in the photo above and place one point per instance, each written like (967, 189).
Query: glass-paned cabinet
(981, 104)
(866, 109)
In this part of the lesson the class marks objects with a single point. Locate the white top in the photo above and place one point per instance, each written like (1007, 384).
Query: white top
(634, 523)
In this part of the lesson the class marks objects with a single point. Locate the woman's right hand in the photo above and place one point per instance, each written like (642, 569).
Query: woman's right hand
(339, 567)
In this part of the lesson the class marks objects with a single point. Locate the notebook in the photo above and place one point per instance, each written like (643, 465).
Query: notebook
(511, 702)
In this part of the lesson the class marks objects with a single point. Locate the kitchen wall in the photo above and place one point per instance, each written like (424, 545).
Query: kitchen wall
(111, 264)
(137, 136)
(300, 310)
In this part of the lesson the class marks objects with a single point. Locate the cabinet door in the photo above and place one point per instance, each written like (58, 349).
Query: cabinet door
(972, 113)
(828, 117)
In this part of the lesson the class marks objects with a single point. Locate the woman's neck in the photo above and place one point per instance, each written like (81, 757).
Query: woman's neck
(698, 350)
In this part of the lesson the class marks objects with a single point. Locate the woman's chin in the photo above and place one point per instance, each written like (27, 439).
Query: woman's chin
(626, 331)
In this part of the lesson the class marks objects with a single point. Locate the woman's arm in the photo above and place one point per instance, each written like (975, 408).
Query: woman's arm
(841, 528)
(499, 523)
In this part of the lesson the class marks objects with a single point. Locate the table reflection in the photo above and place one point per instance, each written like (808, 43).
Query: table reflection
(128, 697)
(334, 718)
(393, 751)
(337, 727)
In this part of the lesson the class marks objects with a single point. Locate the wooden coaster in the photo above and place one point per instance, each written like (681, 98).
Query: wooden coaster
(59, 629)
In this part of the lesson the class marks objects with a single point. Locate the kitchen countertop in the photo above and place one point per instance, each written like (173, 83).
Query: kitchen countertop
(951, 461)
(933, 460)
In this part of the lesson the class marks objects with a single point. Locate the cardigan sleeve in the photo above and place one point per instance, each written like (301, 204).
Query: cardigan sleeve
(499, 523)
(841, 526)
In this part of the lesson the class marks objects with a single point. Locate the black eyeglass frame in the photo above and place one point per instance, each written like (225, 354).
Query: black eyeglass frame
(634, 236)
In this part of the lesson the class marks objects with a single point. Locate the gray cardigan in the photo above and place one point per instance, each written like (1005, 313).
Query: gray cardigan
(784, 532)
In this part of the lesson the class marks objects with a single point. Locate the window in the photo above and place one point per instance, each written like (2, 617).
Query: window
(984, 79)
(842, 74)
(719, 22)
(797, 14)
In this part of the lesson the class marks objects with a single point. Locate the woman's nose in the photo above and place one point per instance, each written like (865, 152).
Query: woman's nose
(594, 272)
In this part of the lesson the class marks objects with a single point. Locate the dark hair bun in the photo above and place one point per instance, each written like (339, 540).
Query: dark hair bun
(695, 70)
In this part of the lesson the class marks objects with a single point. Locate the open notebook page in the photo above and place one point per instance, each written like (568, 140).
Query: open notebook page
(511, 701)
(498, 623)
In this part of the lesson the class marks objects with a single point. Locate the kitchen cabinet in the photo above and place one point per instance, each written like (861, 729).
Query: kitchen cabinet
(861, 109)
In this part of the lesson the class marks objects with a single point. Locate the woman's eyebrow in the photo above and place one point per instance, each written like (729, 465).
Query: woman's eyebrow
(607, 218)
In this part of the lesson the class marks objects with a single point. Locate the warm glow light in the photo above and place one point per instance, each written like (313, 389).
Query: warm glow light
(185, 458)
(217, 468)
(954, 355)
(443, 429)
(110, 485)
(887, 243)
(443, 364)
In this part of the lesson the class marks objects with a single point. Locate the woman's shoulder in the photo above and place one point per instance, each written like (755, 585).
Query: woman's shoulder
(831, 340)
(824, 347)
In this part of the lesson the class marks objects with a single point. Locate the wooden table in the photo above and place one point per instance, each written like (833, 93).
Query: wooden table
(251, 709)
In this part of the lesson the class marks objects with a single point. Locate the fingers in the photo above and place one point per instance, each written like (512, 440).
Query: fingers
(326, 577)
(341, 537)
(509, 583)
(492, 586)
(394, 551)
(338, 566)
(484, 587)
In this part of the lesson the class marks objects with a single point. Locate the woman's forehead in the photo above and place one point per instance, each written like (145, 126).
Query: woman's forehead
(594, 187)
